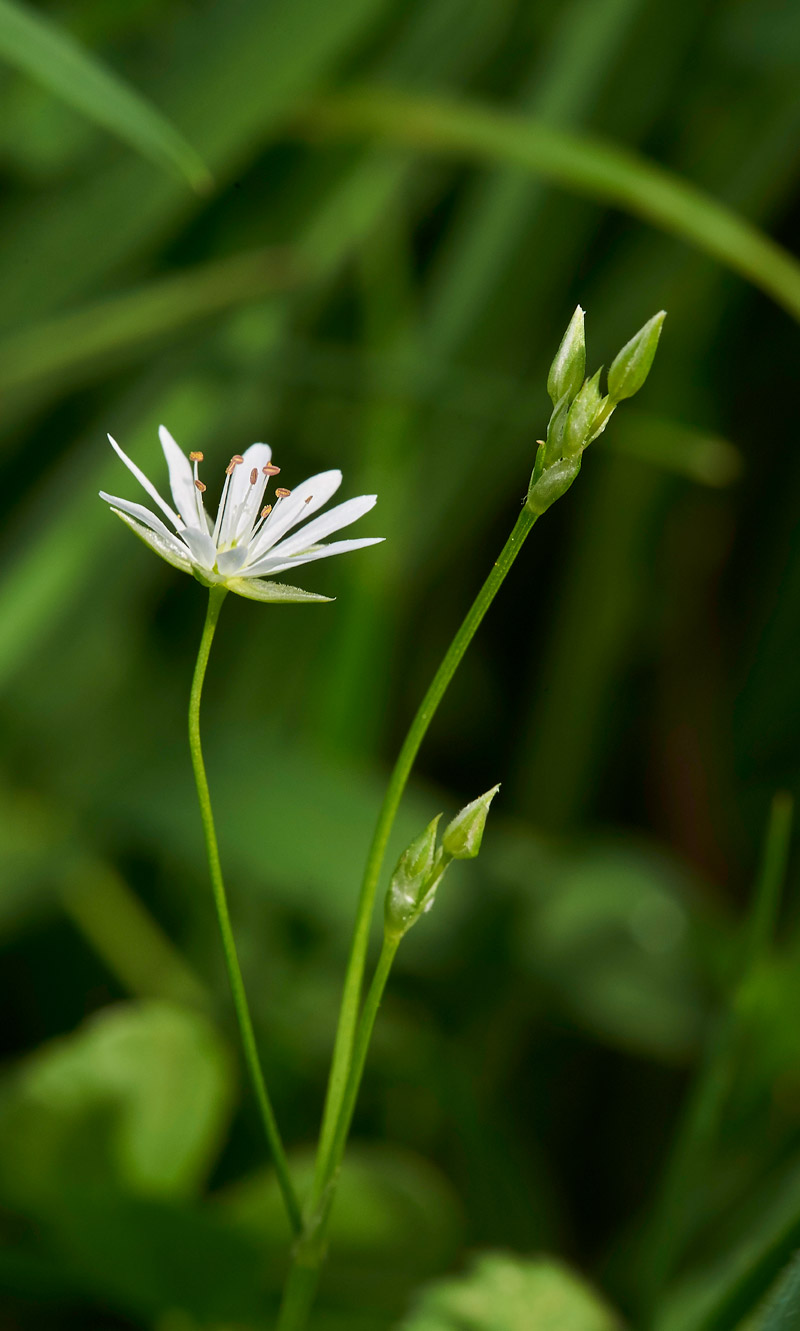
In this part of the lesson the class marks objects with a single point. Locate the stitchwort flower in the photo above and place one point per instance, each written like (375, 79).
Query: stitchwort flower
(249, 542)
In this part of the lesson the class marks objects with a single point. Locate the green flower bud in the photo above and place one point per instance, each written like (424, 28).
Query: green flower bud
(581, 418)
(632, 366)
(414, 882)
(569, 366)
(463, 836)
(553, 482)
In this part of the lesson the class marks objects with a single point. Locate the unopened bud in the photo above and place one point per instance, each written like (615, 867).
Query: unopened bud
(569, 366)
(462, 837)
(580, 421)
(551, 484)
(413, 882)
(632, 366)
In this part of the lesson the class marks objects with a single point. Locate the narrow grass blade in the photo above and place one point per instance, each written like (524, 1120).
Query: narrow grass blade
(600, 170)
(771, 880)
(74, 345)
(50, 55)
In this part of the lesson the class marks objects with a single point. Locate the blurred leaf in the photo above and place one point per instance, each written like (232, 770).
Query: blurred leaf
(146, 1257)
(505, 1293)
(608, 932)
(392, 1208)
(783, 1310)
(77, 345)
(38, 46)
(137, 1099)
(603, 171)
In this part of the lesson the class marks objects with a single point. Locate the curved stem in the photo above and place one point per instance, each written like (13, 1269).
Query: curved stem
(351, 998)
(215, 598)
(301, 1285)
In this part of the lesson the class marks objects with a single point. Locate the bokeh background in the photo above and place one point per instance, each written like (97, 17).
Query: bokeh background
(371, 304)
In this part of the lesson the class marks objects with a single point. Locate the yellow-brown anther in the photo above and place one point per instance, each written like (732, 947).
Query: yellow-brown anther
(199, 486)
(234, 462)
(196, 457)
(310, 497)
(282, 493)
(270, 469)
(265, 512)
(254, 476)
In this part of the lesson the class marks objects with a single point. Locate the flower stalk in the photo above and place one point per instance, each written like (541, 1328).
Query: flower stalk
(215, 598)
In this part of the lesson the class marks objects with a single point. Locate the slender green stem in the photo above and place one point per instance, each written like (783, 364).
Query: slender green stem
(215, 598)
(309, 1253)
(351, 998)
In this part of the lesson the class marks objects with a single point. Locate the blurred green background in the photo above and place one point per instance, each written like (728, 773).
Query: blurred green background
(361, 300)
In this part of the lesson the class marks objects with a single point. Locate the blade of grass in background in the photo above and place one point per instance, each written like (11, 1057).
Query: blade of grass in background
(33, 43)
(230, 80)
(491, 221)
(603, 171)
(696, 1138)
(79, 344)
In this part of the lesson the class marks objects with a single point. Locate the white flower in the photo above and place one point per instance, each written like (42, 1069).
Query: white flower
(249, 540)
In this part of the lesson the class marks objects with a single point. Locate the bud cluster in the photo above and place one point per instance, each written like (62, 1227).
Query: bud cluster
(580, 410)
(423, 864)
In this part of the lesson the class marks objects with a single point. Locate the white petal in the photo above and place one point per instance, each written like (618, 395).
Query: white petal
(255, 590)
(314, 532)
(146, 485)
(230, 561)
(181, 477)
(304, 500)
(243, 499)
(203, 549)
(169, 549)
(273, 564)
(141, 514)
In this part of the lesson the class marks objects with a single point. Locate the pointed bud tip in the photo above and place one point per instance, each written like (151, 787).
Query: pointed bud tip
(569, 364)
(462, 837)
(631, 366)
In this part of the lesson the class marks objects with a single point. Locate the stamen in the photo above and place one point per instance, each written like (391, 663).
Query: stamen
(254, 476)
(282, 493)
(270, 469)
(265, 512)
(196, 457)
(198, 485)
(310, 497)
(234, 462)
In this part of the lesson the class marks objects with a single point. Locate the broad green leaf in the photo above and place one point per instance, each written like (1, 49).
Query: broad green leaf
(136, 1100)
(506, 1293)
(600, 170)
(36, 45)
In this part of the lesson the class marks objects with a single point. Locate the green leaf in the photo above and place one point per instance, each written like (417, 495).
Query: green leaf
(136, 1100)
(37, 46)
(783, 1310)
(589, 166)
(77, 345)
(506, 1293)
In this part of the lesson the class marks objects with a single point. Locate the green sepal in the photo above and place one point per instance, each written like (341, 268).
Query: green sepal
(554, 481)
(256, 589)
(414, 881)
(569, 365)
(462, 837)
(631, 366)
(556, 426)
(582, 416)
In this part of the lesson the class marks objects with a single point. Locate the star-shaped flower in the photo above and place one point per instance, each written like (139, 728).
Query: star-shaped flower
(249, 542)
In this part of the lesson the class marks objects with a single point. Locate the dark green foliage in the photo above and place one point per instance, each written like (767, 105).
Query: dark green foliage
(590, 1049)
